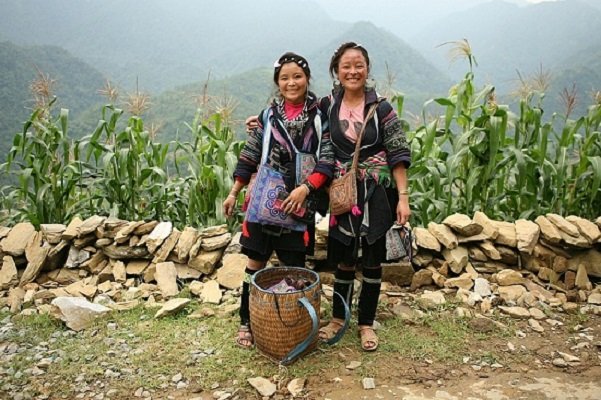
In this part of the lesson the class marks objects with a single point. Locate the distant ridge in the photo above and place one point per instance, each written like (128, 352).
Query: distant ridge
(75, 84)
(505, 37)
(413, 73)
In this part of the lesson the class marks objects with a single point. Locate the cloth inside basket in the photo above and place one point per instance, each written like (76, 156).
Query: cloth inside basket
(288, 285)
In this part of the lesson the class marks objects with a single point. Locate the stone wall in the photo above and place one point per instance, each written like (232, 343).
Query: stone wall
(554, 258)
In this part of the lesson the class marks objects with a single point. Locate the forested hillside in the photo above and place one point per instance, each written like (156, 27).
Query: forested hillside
(250, 91)
(173, 49)
(166, 44)
(74, 83)
(506, 38)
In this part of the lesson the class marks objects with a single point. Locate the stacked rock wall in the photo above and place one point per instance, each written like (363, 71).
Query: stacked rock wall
(129, 260)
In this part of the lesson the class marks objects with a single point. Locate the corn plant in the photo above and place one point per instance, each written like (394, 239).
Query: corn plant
(131, 169)
(210, 159)
(118, 170)
(479, 155)
(47, 169)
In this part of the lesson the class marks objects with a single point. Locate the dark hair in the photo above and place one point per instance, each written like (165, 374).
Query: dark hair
(335, 60)
(290, 57)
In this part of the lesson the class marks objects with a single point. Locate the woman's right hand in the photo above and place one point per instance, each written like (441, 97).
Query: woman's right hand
(228, 206)
(251, 123)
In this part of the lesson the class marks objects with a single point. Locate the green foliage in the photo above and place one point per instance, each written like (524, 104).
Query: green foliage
(118, 171)
(74, 83)
(479, 156)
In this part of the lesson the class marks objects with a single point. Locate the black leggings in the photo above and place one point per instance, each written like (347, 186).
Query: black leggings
(368, 297)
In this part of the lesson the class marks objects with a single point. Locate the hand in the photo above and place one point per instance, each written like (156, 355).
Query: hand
(295, 200)
(403, 212)
(251, 123)
(228, 206)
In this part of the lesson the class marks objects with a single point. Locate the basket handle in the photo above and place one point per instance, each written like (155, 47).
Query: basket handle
(347, 320)
(302, 346)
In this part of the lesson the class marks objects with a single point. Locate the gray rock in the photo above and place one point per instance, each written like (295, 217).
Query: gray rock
(231, 274)
(482, 287)
(15, 242)
(163, 252)
(77, 312)
(368, 383)
(53, 232)
(211, 293)
(8, 273)
(158, 236)
(263, 386)
(515, 312)
(166, 277)
(463, 225)
(125, 252)
(296, 386)
(90, 225)
(171, 307)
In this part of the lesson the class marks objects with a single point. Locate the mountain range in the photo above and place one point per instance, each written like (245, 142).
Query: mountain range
(168, 49)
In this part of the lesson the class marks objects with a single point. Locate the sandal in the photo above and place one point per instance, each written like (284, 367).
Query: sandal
(330, 330)
(369, 339)
(245, 337)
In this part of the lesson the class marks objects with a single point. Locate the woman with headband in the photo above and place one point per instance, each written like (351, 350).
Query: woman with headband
(358, 237)
(286, 132)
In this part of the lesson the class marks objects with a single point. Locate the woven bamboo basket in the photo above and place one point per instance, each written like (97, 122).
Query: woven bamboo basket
(280, 323)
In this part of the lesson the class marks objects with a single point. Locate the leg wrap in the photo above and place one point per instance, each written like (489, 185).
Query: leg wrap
(343, 284)
(370, 293)
(244, 298)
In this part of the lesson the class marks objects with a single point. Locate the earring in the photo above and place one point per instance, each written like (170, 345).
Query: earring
(336, 86)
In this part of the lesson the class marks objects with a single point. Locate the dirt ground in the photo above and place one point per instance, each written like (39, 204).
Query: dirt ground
(529, 367)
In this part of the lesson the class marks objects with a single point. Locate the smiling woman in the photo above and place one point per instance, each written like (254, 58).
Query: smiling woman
(378, 144)
(291, 158)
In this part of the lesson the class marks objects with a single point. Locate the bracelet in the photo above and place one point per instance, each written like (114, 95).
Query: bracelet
(232, 196)
(308, 188)
(309, 185)
(403, 192)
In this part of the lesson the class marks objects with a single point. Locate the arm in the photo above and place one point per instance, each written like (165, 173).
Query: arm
(230, 201)
(399, 159)
(403, 212)
(248, 162)
(251, 123)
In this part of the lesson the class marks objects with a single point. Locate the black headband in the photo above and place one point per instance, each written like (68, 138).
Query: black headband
(290, 58)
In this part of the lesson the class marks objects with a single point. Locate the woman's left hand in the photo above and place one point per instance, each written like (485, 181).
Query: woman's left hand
(295, 200)
(403, 212)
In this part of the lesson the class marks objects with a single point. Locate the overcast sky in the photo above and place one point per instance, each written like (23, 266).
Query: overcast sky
(403, 17)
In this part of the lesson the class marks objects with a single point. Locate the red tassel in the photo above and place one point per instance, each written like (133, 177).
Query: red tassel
(356, 211)
(306, 238)
(333, 221)
(245, 231)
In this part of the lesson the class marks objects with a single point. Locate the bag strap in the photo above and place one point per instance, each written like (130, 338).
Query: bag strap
(370, 114)
(266, 135)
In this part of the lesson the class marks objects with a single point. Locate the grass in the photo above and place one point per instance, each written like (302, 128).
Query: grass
(148, 352)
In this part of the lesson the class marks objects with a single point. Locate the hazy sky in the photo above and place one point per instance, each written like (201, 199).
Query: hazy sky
(403, 17)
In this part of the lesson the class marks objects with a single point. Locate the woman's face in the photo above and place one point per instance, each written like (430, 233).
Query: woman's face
(292, 83)
(352, 70)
